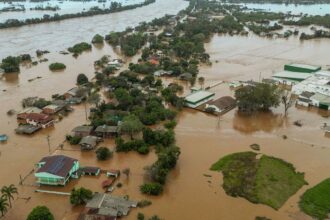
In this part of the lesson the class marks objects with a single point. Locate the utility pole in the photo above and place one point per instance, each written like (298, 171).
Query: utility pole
(48, 142)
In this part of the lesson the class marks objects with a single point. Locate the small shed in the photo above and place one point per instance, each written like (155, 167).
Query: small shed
(105, 131)
(82, 131)
(90, 171)
(88, 143)
(113, 173)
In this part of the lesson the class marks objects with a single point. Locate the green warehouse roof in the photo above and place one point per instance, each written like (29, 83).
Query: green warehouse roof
(301, 68)
(198, 96)
(292, 76)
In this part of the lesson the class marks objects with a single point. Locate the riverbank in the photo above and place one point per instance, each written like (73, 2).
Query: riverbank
(202, 138)
(28, 39)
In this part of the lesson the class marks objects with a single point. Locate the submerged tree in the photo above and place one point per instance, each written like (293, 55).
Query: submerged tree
(287, 101)
(3, 205)
(40, 213)
(131, 125)
(80, 196)
(8, 192)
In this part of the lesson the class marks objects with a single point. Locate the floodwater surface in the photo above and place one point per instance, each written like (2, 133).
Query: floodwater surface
(55, 36)
(203, 139)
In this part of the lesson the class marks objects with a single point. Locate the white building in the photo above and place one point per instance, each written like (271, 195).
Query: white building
(317, 83)
(198, 98)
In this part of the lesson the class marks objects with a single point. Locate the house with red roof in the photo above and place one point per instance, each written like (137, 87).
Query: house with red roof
(39, 119)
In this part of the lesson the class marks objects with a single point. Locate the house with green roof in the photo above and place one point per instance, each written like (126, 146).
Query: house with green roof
(198, 98)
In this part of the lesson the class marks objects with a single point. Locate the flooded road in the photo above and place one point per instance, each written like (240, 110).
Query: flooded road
(56, 36)
(203, 139)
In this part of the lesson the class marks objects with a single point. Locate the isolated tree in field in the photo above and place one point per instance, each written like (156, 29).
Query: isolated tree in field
(131, 125)
(3, 205)
(80, 196)
(40, 213)
(82, 79)
(287, 101)
(8, 192)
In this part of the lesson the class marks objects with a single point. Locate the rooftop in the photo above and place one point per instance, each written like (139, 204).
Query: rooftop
(223, 102)
(321, 98)
(30, 110)
(198, 96)
(58, 165)
(295, 76)
(305, 66)
(83, 128)
(110, 205)
(106, 129)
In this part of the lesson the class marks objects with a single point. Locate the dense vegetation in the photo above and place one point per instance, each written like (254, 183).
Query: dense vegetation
(40, 212)
(115, 7)
(80, 196)
(259, 97)
(267, 180)
(79, 48)
(57, 66)
(316, 200)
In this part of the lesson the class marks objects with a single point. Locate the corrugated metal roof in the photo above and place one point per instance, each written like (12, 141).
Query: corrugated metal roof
(292, 75)
(198, 95)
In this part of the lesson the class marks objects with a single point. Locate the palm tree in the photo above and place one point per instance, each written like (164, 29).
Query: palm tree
(8, 191)
(3, 205)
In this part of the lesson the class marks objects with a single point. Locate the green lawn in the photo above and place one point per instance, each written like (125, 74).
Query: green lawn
(267, 180)
(276, 181)
(316, 201)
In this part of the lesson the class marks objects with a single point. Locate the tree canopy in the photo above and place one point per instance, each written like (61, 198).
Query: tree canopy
(40, 213)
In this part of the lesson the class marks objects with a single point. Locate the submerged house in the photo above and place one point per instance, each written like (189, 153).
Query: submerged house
(51, 109)
(22, 114)
(321, 101)
(106, 131)
(56, 170)
(304, 99)
(90, 171)
(198, 98)
(82, 131)
(88, 143)
(221, 105)
(39, 120)
(103, 204)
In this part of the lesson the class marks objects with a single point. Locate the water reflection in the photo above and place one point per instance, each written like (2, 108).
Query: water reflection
(261, 121)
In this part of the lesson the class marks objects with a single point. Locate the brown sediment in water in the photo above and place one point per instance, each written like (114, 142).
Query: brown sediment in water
(203, 138)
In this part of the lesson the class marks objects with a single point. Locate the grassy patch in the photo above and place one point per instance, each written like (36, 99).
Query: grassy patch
(316, 201)
(276, 181)
(267, 180)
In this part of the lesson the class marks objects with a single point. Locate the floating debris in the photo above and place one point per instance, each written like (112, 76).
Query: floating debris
(255, 147)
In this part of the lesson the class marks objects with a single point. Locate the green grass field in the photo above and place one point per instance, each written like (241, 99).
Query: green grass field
(268, 180)
(316, 201)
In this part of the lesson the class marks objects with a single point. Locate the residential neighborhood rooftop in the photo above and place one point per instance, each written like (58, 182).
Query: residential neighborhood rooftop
(58, 165)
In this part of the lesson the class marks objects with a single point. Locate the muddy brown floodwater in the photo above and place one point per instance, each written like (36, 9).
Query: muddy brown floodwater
(59, 35)
(203, 139)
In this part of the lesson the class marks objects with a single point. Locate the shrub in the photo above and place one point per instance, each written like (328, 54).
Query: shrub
(57, 66)
(80, 196)
(140, 216)
(79, 48)
(151, 189)
(170, 124)
(73, 140)
(82, 79)
(97, 39)
(144, 203)
(40, 212)
(103, 153)
(10, 64)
